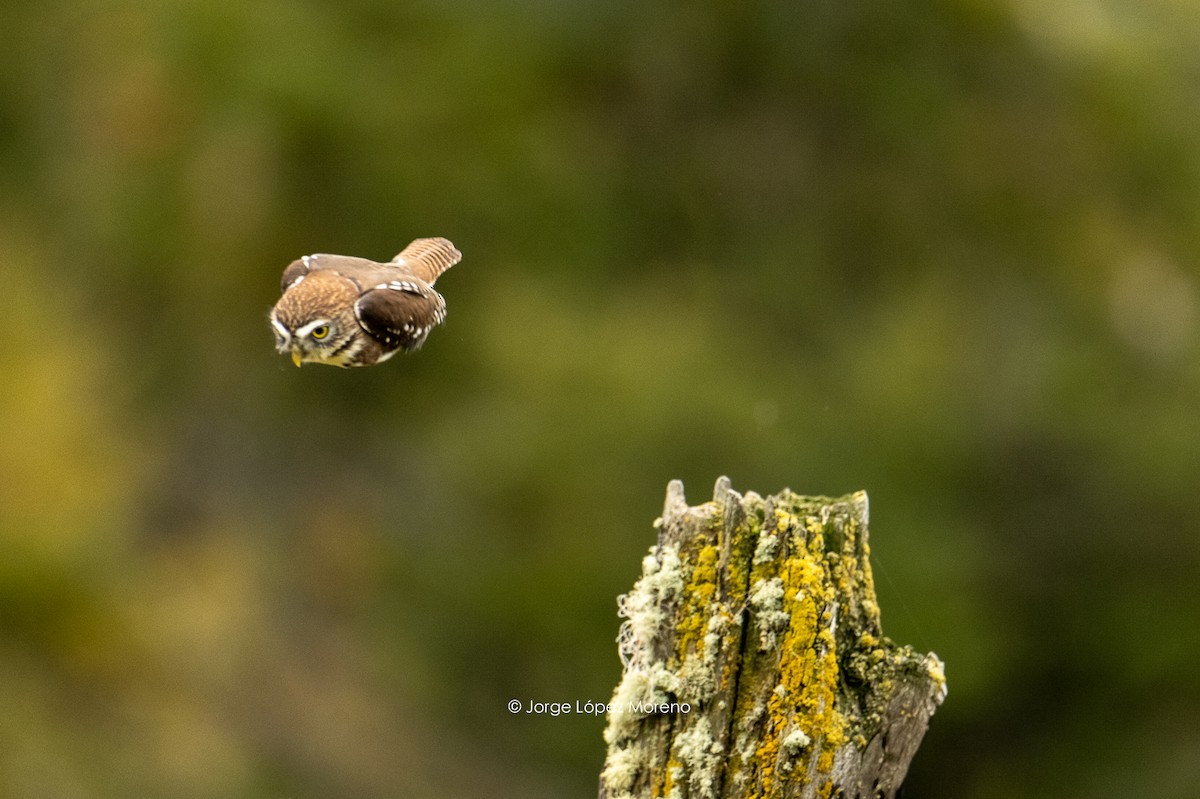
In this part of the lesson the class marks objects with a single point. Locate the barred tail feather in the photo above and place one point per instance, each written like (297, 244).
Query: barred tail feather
(428, 258)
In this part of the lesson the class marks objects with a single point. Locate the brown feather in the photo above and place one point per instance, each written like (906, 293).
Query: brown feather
(428, 258)
(401, 314)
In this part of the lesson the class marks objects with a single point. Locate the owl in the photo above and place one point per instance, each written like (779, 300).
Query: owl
(346, 311)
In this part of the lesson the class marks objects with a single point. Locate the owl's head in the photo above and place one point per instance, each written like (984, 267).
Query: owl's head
(314, 321)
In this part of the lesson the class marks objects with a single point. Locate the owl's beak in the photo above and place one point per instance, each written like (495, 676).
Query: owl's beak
(296, 357)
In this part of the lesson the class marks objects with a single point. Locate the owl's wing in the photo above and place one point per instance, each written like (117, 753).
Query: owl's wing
(401, 313)
(428, 258)
(295, 270)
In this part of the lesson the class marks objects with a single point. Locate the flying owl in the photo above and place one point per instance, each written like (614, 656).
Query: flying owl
(346, 311)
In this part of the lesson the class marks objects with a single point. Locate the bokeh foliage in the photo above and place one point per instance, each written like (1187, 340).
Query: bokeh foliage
(943, 252)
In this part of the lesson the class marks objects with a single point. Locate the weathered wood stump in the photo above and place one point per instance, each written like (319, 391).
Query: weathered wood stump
(755, 664)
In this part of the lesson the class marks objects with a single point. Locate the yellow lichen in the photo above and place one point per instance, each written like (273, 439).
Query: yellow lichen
(668, 783)
(693, 618)
(805, 699)
(785, 521)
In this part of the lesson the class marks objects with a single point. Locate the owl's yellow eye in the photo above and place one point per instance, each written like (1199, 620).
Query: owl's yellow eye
(320, 332)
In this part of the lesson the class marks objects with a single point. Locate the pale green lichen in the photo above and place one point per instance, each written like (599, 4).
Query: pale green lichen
(644, 608)
(795, 742)
(644, 681)
(621, 770)
(765, 551)
(696, 762)
(766, 602)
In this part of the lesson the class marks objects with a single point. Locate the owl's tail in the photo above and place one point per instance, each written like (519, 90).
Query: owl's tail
(428, 258)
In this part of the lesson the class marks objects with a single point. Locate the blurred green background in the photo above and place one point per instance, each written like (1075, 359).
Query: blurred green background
(944, 252)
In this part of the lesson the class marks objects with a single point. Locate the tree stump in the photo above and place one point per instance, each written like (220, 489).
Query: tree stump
(754, 661)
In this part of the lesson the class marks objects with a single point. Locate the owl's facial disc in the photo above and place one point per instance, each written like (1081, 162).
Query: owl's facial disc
(311, 342)
(283, 336)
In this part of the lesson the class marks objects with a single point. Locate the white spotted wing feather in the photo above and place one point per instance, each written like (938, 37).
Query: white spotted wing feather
(401, 312)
